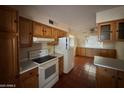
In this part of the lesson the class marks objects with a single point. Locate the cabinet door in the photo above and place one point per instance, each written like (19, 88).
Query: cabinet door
(80, 51)
(31, 82)
(55, 33)
(62, 33)
(106, 78)
(29, 79)
(38, 29)
(120, 79)
(104, 53)
(47, 31)
(25, 32)
(89, 52)
(8, 19)
(8, 58)
(106, 31)
(61, 60)
(120, 30)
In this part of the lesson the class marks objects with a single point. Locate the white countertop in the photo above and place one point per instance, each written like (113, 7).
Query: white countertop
(26, 66)
(111, 63)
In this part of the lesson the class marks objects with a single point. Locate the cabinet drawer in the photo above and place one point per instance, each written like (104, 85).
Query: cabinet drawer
(29, 74)
(105, 71)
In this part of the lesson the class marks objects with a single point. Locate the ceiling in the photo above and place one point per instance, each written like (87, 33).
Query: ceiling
(75, 16)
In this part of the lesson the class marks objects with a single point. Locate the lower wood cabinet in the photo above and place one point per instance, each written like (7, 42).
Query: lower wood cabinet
(29, 79)
(61, 63)
(120, 79)
(91, 52)
(108, 78)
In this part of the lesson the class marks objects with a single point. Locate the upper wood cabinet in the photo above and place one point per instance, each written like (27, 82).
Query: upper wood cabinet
(120, 30)
(38, 29)
(62, 33)
(8, 19)
(9, 66)
(47, 31)
(55, 33)
(41, 30)
(111, 31)
(106, 31)
(25, 32)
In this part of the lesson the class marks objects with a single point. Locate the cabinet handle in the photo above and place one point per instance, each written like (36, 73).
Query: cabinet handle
(113, 76)
(105, 70)
(30, 33)
(37, 75)
(31, 73)
(119, 78)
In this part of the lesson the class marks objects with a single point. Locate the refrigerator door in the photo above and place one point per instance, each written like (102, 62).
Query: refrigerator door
(64, 48)
(63, 43)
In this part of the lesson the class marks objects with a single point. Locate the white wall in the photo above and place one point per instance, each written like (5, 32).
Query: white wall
(35, 14)
(113, 14)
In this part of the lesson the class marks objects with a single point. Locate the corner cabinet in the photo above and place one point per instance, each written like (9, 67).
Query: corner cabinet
(9, 65)
(25, 32)
(111, 31)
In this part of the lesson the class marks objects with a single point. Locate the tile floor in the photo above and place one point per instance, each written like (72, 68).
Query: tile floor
(82, 75)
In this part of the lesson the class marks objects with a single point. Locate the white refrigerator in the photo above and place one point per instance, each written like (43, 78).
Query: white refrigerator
(66, 47)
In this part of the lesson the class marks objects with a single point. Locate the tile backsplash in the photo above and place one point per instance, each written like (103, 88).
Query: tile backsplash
(36, 46)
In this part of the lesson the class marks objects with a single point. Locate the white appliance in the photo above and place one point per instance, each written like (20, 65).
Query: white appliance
(66, 47)
(48, 69)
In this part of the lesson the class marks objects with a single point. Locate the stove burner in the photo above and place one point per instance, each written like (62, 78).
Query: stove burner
(43, 59)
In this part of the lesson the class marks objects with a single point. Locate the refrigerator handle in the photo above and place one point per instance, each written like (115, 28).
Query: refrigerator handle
(66, 44)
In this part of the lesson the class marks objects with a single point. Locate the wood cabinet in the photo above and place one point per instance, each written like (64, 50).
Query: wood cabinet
(62, 33)
(109, 78)
(61, 66)
(25, 32)
(41, 30)
(9, 66)
(8, 19)
(38, 29)
(120, 79)
(108, 53)
(107, 31)
(120, 30)
(105, 77)
(47, 31)
(55, 33)
(91, 52)
(80, 51)
(29, 79)
(111, 30)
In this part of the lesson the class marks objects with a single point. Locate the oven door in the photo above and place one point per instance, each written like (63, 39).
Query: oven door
(47, 72)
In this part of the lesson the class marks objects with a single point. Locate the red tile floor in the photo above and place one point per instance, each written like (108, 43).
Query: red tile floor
(82, 75)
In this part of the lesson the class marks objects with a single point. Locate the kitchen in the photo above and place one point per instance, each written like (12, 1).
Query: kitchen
(38, 52)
